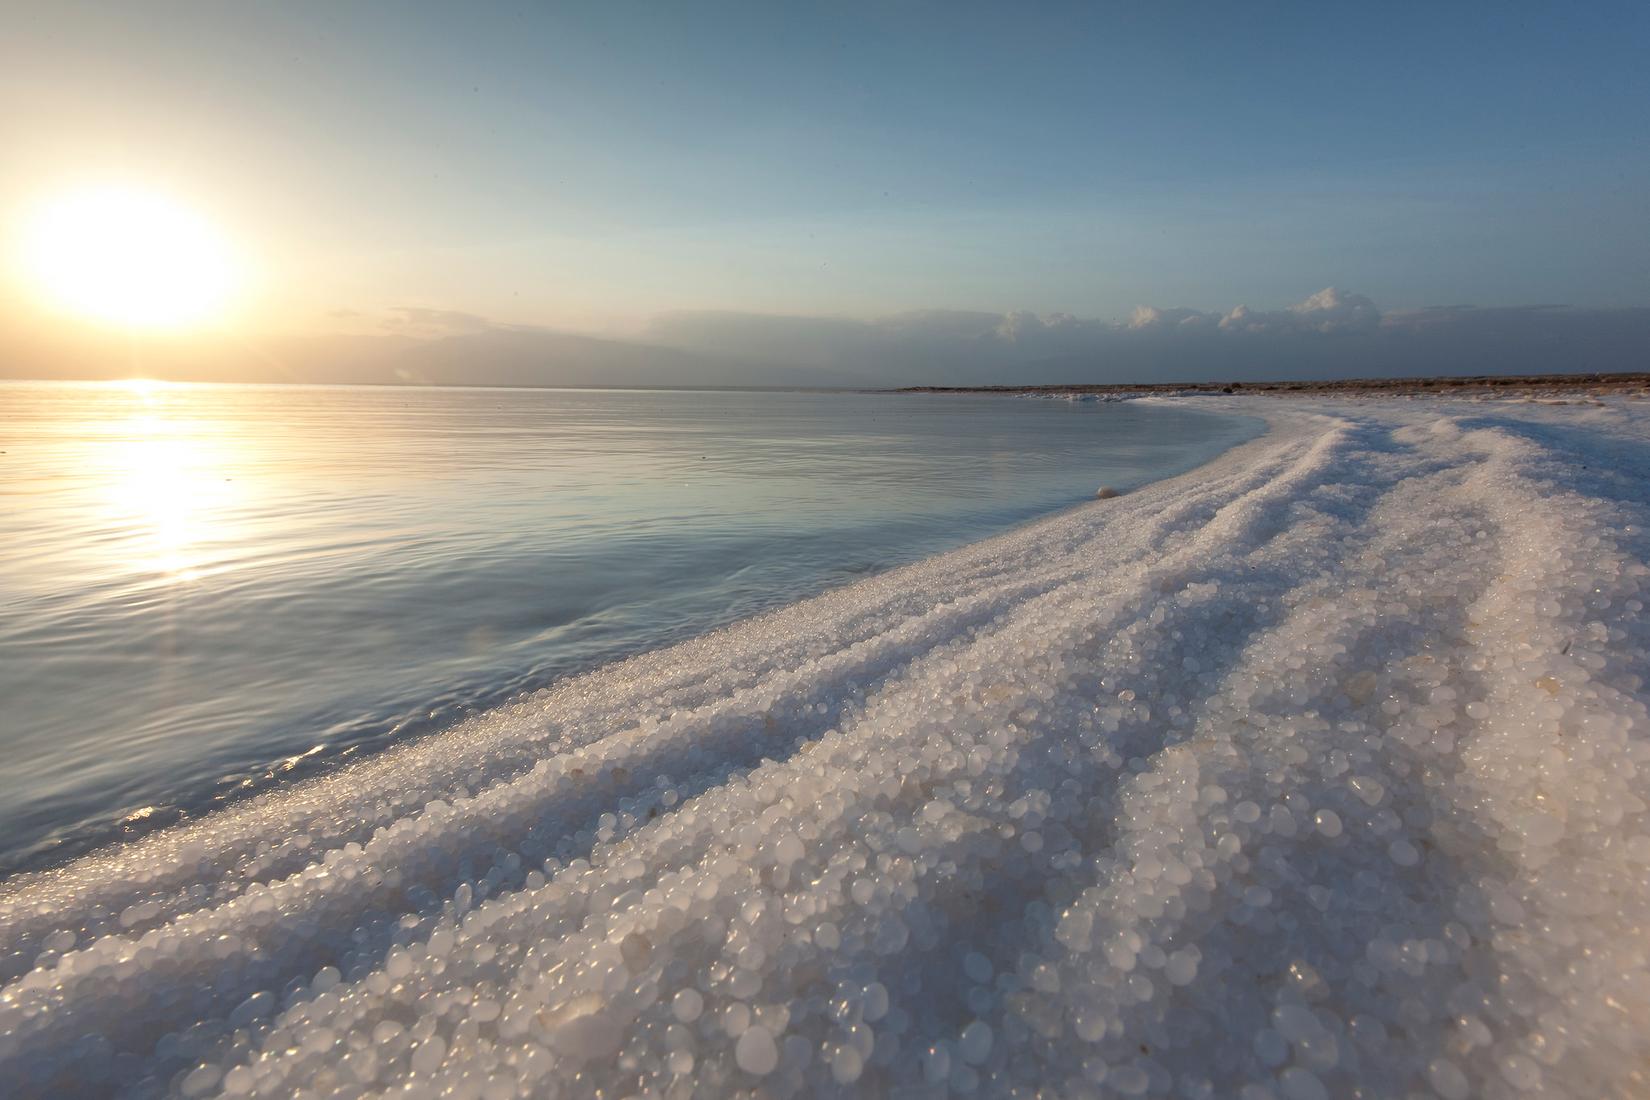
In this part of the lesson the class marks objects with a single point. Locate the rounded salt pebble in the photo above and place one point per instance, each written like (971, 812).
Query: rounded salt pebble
(846, 1065)
(974, 1044)
(756, 1052)
(1447, 1080)
(1105, 492)
(936, 1064)
(1181, 967)
(1129, 1080)
(1295, 1022)
(1403, 853)
(687, 1005)
(789, 850)
(1296, 1083)
(201, 1081)
(1520, 1072)
(1369, 790)
(876, 1002)
(1328, 823)
(1270, 1047)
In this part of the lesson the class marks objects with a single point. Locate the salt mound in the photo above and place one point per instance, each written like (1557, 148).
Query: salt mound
(1318, 771)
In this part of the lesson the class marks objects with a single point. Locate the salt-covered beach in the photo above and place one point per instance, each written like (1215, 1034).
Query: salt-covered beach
(1318, 771)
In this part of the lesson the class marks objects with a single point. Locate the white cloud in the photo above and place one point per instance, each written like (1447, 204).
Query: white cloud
(1331, 310)
(1151, 319)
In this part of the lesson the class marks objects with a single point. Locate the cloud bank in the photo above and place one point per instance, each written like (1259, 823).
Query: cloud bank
(1331, 334)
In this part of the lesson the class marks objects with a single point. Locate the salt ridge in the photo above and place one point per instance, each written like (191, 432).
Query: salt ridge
(1318, 770)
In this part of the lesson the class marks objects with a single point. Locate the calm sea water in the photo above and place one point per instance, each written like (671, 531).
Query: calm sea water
(205, 590)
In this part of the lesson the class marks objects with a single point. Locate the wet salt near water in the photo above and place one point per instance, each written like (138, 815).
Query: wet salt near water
(206, 591)
(1319, 771)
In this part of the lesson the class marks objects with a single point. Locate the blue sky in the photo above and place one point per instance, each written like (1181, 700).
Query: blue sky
(592, 166)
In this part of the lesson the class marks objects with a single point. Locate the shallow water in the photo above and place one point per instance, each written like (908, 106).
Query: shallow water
(208, 589)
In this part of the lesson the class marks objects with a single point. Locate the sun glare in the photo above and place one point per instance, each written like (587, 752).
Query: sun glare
(129, 258)
(161, 473)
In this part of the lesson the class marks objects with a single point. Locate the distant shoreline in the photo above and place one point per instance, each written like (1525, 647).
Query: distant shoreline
(1618, 383)
(1533, 384)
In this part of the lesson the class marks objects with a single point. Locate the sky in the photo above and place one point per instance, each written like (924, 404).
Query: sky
(637, 171)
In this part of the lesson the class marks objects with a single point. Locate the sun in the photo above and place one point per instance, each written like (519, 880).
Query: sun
(128, 257)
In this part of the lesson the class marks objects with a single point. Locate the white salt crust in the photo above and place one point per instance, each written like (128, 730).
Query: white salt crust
(1319, 771)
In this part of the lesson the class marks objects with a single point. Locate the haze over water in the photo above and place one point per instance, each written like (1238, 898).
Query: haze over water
(205, 590)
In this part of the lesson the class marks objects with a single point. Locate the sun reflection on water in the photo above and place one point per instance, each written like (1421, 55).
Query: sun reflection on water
(164, 484)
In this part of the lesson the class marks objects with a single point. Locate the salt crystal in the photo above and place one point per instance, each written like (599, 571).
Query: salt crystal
(975, 1042)
(756, 1052)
